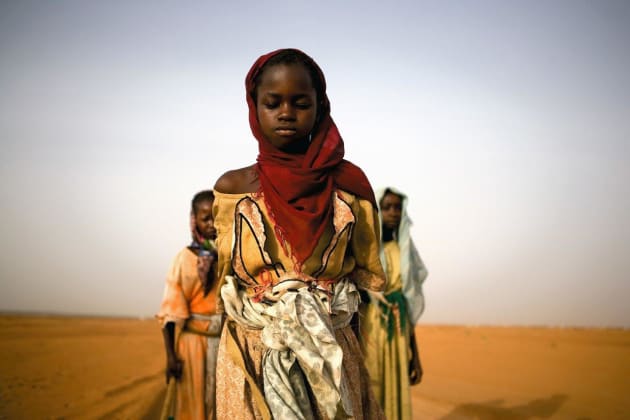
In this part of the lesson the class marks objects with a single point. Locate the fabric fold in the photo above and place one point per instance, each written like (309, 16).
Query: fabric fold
(299, 333)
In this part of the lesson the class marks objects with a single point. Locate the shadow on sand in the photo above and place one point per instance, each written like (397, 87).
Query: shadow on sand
(540, 408)
(154, 409)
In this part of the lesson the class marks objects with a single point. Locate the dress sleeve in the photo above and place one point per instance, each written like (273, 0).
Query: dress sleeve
(174, 307)
(368, 272)
(223, 211)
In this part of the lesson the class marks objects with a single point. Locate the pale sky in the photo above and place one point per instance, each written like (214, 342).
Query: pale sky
(506, 122)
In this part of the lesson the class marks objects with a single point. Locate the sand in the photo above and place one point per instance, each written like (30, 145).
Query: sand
(89, 368)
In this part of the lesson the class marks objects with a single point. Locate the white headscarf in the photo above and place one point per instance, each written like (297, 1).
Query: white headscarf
(412, 269)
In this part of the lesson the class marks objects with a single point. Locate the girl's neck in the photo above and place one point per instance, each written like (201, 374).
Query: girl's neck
(297, 148)
(389, 234)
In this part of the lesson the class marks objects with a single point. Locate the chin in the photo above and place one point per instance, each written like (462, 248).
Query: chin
(296, 146)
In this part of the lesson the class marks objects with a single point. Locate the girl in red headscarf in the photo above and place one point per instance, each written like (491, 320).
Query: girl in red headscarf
(297, 236)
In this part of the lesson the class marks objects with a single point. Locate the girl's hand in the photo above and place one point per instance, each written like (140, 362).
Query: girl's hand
(380, 297)
(173, 369)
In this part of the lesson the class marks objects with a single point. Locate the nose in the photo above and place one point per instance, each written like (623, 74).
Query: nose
(392, 214)
(287, 112)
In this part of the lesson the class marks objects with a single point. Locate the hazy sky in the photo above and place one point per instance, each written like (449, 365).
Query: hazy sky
(507, 123)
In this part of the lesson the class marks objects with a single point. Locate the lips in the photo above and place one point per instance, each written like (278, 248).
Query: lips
(391, 222)
(285, 131)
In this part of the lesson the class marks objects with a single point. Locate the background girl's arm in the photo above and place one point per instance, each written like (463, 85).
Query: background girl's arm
(173, 312)
(173, 364)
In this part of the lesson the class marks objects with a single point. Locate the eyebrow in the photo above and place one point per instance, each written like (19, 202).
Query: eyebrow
(277, 95)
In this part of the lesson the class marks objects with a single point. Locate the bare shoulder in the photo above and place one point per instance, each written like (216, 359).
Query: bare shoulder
(238, 181)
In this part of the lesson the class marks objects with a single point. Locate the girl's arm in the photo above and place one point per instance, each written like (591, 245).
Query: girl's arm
(368, 273)
(173, 311)
(173, 364)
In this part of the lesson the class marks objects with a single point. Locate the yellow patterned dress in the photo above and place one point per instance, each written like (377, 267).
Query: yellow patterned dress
(287, 348)
(385, 332)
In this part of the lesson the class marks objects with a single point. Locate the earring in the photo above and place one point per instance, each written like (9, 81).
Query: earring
(310, 137)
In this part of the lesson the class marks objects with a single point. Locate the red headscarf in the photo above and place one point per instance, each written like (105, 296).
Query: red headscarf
(298, 189)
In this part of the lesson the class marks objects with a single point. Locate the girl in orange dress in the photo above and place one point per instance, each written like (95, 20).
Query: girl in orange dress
(297, 237)
(189, 308)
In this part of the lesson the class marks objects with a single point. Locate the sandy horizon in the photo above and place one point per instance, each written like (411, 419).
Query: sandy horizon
(80, 315)
(90, 367)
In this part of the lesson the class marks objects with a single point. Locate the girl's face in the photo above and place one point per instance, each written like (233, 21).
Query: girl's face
(204, 220)
(391, 210)
(286, 106)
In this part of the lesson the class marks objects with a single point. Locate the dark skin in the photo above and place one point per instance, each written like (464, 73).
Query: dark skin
(391, 213)
(205, 225)
(286, 106)
(173, 364)
(237, 181)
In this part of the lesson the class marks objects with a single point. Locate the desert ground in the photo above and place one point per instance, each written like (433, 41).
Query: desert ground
(54, 367)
